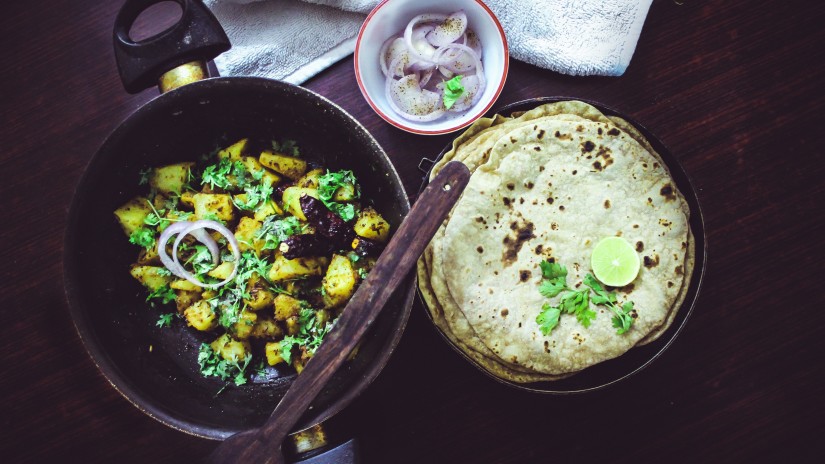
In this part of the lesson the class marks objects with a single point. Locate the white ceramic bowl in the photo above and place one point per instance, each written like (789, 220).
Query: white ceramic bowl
(390, 18)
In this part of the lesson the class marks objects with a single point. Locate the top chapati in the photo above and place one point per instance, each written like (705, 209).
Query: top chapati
(550, 184)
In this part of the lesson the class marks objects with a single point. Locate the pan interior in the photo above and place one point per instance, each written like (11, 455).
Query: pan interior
(156, 368)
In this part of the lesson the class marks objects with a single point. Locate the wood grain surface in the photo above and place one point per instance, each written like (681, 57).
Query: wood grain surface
(734, 88)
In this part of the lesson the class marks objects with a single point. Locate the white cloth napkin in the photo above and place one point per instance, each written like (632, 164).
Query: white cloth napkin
(292, 40)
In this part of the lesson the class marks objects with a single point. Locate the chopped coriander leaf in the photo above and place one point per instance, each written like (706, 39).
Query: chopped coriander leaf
(275, 230)
(287, 344)
(226, 174)
(345, 210)
(145, 174)
(623, 316)
(548, 318)
(551, 270)
(260, 371)
(256, 195)
(453, 90)
(164, 293)
(214, 217)
(201, 260)
(165, 320)
(602, 296)
(310, 334)
(143, 237)
(577, 302)
(212, 365)
(329, 183)
(288, 147)
(551, 288)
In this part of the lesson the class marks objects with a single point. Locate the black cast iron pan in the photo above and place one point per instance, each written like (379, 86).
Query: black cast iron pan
(154, 368)
(610, 372)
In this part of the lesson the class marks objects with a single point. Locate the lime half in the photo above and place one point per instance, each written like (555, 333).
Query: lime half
(615, 262)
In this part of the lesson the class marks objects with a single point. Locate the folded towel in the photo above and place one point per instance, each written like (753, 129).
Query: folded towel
(292, 40)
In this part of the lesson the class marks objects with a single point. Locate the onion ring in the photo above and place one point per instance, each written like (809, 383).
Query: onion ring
(413, 117)
(408, 31)
(196, 229)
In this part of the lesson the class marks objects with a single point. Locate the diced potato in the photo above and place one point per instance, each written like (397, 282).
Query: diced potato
(152, 277)
(186, 298)
(171, 178)
(230, 349)
(273, 353)
(372, 226)
(234, 151)
(211, 205)
(132, 214)
(286, 269)
(242, 329)
(222, 271)
(267, 209)
(188, 198)
(289, 166)
(246, 233)
(339, 281)
(293, 325)
(298, 364)
(286, 306)
(209, 294)
(322, 316)
(266, 329)
(260, 296)
(149, 257)
(310, 179)
(253, 167)
(292, 200)
(201, 316)
(185, 285)
(159, 202)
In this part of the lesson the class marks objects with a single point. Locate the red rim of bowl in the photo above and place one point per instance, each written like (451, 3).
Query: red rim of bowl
(442, 131)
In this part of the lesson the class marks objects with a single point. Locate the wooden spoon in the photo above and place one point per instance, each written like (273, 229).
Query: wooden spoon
(263, 445)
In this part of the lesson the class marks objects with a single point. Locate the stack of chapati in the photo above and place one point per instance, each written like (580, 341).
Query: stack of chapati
(548, 184)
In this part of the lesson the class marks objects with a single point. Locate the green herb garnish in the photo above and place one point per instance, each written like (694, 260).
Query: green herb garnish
(201, 260)
(144, 237)
(310, 334)
(226, 174)
(211, 364)
(577, 302)
(275, 230)
(144, 174)
(165, 294)
(288, 147)
(256, 195)
(623, 316)
(165, 320)
(453, 90)
(329, 183)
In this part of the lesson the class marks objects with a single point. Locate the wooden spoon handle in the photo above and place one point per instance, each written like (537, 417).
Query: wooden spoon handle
(400, 255)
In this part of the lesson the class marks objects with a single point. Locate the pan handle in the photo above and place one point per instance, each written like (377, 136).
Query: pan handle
(197, 37)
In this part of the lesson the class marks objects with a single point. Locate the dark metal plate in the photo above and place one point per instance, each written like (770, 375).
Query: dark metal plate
(615, 370)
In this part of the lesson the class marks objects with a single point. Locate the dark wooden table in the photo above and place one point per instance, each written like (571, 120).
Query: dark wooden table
(734, 88)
